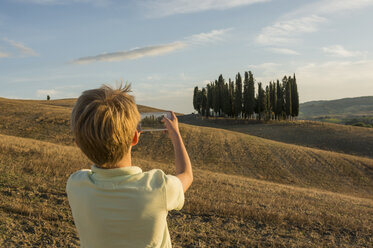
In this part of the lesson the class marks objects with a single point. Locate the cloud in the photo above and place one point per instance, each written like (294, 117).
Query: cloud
(212, 36)
(50, 92)
(285, 51)
(162, 8)
(338, 79)
(340, 51)
(64, 2)
(24, 50)
(306, 19)
(284, 32)
(132, 54)
(155, 50)
(4, 55)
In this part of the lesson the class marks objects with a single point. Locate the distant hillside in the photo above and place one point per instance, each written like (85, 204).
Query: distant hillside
(211, 149)
(357, 106)
(239, 197)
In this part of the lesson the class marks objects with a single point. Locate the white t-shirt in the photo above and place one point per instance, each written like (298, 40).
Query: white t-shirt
(123, 207)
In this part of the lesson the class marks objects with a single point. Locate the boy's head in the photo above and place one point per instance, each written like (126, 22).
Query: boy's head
(104, 122)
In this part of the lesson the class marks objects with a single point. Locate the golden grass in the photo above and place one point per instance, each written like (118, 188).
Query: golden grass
(240, 154)
(220, 210)
(211, 149)
(239, 197)
(326, 136)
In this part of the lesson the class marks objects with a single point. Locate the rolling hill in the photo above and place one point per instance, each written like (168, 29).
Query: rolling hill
(250, 190)
(356, 106)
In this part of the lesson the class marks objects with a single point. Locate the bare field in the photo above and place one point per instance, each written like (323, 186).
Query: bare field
(321, 135)
(248, 191)
(220, 210)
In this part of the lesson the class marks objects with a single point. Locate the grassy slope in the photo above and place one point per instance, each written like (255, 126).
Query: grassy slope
(326, 136)
(220, 210)
(341, 107)
(223, 151)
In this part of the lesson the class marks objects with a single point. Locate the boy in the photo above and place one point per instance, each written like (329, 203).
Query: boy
(115, 204)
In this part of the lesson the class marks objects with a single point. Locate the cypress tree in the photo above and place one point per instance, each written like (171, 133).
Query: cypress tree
(280, 100)
(204, 102)
(250, 96)
(231, 98)
(238, 95)
(260, 106)
(215, 99)
(246, 95)
(221, 92)
(273, 98)
(195, 98)
(295, 98)
(226, 104)
(288, 106)
(199, 101)
(209, 99)
(267, 103)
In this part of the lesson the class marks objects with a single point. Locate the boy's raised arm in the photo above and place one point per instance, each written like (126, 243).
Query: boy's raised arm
(182, 161)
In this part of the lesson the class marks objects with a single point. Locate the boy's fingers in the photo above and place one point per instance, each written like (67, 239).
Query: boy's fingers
(173, 115)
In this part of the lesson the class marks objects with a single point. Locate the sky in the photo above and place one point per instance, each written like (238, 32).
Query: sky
(165, 48)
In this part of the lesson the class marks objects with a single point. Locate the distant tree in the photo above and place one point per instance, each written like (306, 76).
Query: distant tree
(226, 103)
(209, 98)
(272, 89)
(261, 101)
(250, 96)
(288, 106)
(48, 97)
(199, 101)
(245, 109)
(204, 109)
(294, 97)
(238, 96)
(195, 96)
(231, 98)
(280, 100)
(267, 106)
(215, 99)
(221, 92)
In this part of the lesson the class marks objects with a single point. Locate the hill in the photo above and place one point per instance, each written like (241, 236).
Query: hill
(248, 191)
(315, 134)
(223, 151)
(347, 106)
(220, 210)
(356, 111)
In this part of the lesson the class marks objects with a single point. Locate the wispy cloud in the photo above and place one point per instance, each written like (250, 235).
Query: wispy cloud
(285, 51)
(50, 92)
(287, 31)
(340, 51)
(64, 2)
(306, 19)
(155, 50)
(4, 55)
(24, 50)
(132, 54)
(339, 79)
(212, 36)
(162, 8)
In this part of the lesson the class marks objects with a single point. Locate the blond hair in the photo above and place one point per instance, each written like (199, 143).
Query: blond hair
(104, 122)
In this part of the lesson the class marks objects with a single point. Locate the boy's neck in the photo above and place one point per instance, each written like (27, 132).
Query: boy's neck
(125, 162)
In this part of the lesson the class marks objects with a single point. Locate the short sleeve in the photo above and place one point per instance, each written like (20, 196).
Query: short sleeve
(174, 193)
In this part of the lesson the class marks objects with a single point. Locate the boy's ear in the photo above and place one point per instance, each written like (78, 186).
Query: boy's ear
(135, 139)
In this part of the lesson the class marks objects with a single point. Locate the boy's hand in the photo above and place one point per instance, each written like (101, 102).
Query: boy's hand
(172, 126)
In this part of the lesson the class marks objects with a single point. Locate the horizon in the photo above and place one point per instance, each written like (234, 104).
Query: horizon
(167, 47)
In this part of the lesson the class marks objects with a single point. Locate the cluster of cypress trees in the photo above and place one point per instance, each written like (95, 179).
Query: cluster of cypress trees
(278, 100)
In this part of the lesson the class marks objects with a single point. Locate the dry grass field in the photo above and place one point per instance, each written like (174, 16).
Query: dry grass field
(326, 136)
(248, 191)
